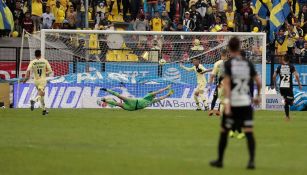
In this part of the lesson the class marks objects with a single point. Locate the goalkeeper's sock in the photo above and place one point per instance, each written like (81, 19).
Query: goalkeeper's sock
(42, 99)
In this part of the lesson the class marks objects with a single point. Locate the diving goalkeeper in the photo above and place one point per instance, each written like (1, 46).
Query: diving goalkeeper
(133, 104)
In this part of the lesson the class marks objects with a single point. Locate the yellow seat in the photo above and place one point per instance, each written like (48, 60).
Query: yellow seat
(126, 52)
(133, 57)
(116, 51)
(111, 57)
(122, 57)
(118, 18)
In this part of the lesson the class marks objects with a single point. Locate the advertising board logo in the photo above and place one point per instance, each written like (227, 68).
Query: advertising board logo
(172, 74)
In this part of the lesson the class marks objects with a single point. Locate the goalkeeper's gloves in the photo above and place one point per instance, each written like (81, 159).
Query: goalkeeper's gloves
(103, 89)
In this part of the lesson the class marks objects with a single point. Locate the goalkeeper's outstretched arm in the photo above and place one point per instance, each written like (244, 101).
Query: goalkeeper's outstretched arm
(161, 90)
(171, 92)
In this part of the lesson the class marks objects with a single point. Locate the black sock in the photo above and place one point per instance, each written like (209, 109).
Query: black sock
(251, 145)
(222, 145)
(287, 109)
(213, 101)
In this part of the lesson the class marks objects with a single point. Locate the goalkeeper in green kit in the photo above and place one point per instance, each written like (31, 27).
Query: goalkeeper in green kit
(133, 104)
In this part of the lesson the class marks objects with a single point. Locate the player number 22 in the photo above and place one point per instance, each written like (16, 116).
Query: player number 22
(241, 86)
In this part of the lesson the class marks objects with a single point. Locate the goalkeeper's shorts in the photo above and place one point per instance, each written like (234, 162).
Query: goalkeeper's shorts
(130, 104)
(133, 104)
(40, 84)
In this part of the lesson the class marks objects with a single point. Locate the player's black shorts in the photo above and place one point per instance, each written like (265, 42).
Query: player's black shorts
(240, 117)
(287, 93)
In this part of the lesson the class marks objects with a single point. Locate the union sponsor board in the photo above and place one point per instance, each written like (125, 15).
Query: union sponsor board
(62, 95)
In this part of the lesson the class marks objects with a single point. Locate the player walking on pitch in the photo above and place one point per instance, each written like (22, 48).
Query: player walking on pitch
(286, 72)
(133, 104)
(41, 68)
(239, 77)
(217, 74)
(199, 70)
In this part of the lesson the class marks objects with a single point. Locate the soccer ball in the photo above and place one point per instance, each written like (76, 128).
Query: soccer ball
(162, 62)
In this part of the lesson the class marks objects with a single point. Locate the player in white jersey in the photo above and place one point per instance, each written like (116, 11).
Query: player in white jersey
(286, 71)
(239, 77)
(200, 71)
(40, 68)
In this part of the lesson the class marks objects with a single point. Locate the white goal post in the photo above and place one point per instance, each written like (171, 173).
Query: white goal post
(139, 53)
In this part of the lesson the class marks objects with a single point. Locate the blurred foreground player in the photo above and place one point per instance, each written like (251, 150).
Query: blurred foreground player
(40, 68)
(239, 76)
(286, 72)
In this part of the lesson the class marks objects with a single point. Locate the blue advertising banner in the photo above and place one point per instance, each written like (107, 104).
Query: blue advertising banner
(63, 95)
(82, 90)
(148, 71)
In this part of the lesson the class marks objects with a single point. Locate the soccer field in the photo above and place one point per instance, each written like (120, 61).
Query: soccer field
(117, 142)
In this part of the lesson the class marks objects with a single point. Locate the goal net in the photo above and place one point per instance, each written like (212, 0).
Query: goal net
(130, 63)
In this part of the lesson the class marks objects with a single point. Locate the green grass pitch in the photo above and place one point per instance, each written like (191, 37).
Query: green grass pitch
(147, 142)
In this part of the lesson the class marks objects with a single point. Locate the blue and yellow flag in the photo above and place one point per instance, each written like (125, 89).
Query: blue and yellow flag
(6, 17)
(260, 9)
(279, 13)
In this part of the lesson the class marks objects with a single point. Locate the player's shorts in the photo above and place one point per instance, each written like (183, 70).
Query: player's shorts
(287, 93)
(136, 104)
(240, 117)
(40, 84)
(200, 87)
(130, 104)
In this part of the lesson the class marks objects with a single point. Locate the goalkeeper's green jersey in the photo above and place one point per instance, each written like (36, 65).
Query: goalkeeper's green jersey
(133, 104)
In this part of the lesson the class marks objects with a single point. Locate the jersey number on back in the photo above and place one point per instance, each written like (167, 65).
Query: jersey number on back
(241, 87)
(285, 81)
(39, 72)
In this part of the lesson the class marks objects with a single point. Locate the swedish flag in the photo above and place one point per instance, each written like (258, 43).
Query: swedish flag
(6, 17)
(279, 13)
(260, 9)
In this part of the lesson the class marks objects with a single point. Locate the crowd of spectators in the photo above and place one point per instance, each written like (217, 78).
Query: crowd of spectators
(162, 15)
